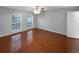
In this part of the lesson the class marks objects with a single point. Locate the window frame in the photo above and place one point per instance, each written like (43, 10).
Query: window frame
(20, 22)
(29, 22)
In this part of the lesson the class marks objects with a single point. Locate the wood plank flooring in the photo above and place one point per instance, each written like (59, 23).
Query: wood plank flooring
(34, 41)
(72, 45)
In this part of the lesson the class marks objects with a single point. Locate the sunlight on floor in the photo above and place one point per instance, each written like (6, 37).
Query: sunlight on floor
(29, 36)
(15, 42)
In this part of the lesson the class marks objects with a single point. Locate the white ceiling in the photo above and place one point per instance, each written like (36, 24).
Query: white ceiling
(30, 8)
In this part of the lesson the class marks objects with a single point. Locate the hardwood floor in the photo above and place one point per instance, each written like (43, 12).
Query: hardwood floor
(35, 40)
(73, 45)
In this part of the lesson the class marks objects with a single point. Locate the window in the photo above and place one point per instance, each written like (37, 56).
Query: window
(16, 22)
(30, 21)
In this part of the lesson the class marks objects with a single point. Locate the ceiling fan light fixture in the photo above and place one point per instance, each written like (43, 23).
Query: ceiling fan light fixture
(42, 10)
(38, 10)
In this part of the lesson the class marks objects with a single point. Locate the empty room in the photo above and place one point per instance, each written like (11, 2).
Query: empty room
(39, 29)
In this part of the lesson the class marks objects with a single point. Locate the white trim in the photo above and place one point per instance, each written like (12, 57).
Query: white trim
(6, 34)
(52, 31)
(16, 23)
(12, 33)
(15, 32)
(73, 37)
(30, 28)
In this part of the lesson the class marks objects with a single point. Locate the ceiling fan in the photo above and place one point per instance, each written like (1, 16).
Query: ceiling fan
(39, 10)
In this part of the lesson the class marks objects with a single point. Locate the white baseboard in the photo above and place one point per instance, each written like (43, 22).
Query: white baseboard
(43, 29)
(28, 29)
(52, 31)
(14, 32)
(58, 33)
(6, 34)
(73, 37)
(10, 33)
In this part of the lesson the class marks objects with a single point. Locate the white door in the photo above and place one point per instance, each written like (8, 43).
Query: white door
(73, 24)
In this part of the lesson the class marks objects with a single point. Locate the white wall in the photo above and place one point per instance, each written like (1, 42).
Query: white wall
(55, 20)
(5, 20)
